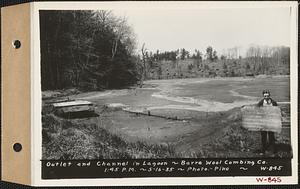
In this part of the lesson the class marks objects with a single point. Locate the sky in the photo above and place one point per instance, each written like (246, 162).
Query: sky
(166, 30)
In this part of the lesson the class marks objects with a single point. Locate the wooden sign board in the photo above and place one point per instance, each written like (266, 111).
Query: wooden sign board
(256, 118)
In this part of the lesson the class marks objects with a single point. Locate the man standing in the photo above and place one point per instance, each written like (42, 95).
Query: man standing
(267, 137)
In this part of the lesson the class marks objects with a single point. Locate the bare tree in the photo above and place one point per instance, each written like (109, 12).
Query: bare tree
(123, 32)
(144, 59)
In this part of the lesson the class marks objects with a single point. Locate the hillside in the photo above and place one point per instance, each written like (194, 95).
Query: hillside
(190, 68)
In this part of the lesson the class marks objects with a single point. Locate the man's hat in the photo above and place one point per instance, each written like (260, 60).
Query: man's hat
(266, 92)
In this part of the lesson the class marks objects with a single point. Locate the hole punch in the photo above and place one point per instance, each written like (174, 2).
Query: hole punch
(17, 147)
(17, 44)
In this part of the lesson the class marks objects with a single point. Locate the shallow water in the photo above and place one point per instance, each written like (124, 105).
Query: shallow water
(219, 94)
(197, 94)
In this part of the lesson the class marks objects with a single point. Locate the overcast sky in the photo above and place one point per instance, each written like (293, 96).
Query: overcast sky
(220, 28)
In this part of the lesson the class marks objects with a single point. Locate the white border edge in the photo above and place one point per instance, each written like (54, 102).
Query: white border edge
(36, 102)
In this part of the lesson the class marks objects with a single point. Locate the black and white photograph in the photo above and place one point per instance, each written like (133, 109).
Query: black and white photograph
(166, 83)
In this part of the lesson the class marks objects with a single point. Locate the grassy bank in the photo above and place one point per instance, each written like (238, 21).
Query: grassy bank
(64, 139)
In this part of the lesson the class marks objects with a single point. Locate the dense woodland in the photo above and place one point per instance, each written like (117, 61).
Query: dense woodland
(87, 50)
(95, 50)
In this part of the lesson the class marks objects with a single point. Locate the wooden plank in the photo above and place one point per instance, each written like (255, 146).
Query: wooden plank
(73, 107)
(262, 118)
(72, 103)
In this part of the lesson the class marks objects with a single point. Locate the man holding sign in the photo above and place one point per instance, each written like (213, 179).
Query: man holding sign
(264, 117)
(267, 137)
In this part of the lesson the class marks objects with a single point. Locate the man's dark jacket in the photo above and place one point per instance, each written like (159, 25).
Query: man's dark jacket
(261, 102)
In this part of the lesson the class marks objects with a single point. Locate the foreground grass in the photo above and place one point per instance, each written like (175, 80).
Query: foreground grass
(63, 139)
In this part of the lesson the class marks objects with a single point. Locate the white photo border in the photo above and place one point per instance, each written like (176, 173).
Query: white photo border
(36, 97)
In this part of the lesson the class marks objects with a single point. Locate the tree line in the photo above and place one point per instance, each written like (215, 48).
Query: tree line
(87, 50)
(256, 60)
(280, 53)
